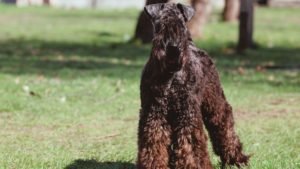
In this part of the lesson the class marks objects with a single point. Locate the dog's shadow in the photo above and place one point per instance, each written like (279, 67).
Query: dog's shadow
(93, 164)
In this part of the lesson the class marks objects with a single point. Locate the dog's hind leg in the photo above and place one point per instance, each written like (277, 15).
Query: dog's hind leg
(218, 119)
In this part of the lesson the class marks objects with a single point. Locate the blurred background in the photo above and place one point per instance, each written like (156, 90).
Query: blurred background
(70, 72)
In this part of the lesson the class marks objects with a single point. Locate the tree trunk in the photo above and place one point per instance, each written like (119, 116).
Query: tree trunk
(246, 25)
(94, 4)
(46, 2)
(263, 2)
(231, 10)
(144, 28)
(198, 21)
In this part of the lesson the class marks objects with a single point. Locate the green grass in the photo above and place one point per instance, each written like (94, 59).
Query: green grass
(69, 87)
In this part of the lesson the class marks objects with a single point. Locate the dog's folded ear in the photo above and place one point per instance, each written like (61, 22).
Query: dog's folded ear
(153, 10)
(187, 11)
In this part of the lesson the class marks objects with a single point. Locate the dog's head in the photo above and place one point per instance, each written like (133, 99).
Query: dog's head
(170, 34)
(169, 21)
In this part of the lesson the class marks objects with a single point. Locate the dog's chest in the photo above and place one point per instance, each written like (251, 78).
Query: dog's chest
(178, 86)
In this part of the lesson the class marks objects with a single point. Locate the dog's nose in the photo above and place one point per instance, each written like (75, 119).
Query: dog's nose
(172, 51)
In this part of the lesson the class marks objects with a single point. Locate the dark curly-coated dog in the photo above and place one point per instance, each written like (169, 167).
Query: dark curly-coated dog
(181, 91)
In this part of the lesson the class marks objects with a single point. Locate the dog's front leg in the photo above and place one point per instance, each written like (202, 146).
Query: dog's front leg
(153, 140)
(190, 141)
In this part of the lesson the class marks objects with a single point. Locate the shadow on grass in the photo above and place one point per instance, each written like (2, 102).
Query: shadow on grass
(119, 60)
(93, 164)
(271, 58)
(68, 60)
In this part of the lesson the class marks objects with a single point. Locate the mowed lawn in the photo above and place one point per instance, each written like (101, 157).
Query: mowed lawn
(69, 87)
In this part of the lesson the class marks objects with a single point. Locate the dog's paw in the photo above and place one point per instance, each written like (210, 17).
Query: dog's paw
(239, 160)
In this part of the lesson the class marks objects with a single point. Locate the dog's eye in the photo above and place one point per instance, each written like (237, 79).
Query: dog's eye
(157, 27)
(162, 6)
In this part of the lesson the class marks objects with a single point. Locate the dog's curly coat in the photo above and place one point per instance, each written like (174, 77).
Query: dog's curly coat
(181, 91)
